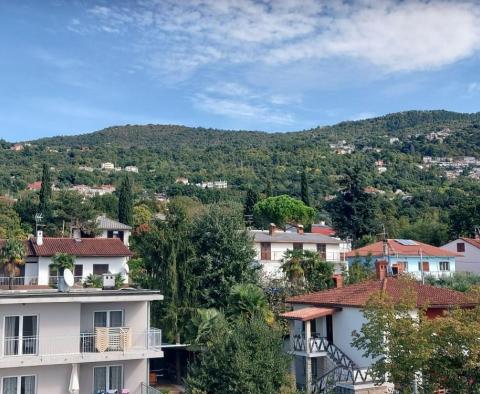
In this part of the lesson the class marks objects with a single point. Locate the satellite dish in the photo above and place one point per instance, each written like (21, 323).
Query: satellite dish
(127, 268)
(68, 277)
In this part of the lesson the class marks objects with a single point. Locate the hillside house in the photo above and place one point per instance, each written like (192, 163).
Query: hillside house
(408, 256)
(321, 326)
(110, 228)
(131, 169)
(469, 254)
(271, 246)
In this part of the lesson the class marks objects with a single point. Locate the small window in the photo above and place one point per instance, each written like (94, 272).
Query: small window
(444, 265)
(297, 246)
(460, 247)
(100, 269)
(424, 266)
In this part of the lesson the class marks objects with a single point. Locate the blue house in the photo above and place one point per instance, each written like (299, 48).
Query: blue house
(407, 256)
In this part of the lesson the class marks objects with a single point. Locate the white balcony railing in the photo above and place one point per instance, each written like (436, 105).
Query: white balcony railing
(119, 339)
(280, 255)
(18, 281)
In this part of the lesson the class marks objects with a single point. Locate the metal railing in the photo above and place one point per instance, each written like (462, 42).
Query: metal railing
(118, 339)
(53, 280)
(18, 281)
(149, 390)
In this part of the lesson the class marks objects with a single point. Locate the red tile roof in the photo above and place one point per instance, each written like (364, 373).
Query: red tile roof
(473, 241)
(308, 313)
(35, 185)
(396, 248)
(358, 294)
(87, 247)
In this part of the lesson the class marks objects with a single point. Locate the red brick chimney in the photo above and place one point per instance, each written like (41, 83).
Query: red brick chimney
(381, 268)
(272, 228)
(338, 279)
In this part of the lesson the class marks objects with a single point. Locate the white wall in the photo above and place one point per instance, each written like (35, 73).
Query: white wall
(470, 261)
(115, 264)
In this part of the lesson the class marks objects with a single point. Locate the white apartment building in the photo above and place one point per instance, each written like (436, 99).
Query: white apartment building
(85, 341)
(271, 246)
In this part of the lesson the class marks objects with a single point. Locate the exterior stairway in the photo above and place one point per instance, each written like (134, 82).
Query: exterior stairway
(345, 370)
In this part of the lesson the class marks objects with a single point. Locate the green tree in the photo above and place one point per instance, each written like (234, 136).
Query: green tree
(10, 222)
(304, 192)
(359, 270)
(251, 199)
(63, 261)
(306, 271)
(142, 215)
(248, 358)
(45, 191)
(283, 210)
(12, 257)
(353, 210)
(125, 201)
(248, 300)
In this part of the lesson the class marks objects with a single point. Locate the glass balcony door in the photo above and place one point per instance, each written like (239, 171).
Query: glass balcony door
(20, 336)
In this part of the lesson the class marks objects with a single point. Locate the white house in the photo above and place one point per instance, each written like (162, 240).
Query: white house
(78, 340)
(131, 169)
(271, 246)
(469, 251)
(107, 166)
(95, 256)
(321, 326)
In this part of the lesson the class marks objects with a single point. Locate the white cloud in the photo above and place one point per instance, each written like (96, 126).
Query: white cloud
(391, 35)
(473, 87)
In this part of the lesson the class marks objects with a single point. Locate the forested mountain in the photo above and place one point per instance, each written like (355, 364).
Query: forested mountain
(164, 152)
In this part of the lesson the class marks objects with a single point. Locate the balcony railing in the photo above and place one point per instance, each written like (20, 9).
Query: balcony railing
(53, 280)
(18, 281)
(118, 339)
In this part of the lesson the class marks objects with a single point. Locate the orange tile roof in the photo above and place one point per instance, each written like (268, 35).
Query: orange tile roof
(308, 313)
(358, 294)
(396, 248)
(472, 241)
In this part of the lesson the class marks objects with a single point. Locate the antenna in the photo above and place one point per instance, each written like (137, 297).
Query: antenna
(38, 218)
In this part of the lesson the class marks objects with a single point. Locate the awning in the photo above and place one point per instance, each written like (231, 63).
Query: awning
(308, 313)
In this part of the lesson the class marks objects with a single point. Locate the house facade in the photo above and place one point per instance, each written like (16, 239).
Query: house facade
(407, 256)
(321, 326)
(271, 246)
(83, 341)
(469, 254)
(95, 256)
(110, 228)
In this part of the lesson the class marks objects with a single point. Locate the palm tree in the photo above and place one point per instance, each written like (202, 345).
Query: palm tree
(12, 256)
(292, 266)
(248, 300)
(62, 261)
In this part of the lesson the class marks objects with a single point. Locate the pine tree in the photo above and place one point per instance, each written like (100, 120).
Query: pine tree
(125, 202)
(45, 191)
(304, 189)
(250, 200)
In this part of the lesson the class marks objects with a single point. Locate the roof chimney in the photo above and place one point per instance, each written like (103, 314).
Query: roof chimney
(338, 280)
(381, 269)
(39, 237)
(272, 228)
(300, 229)
(322, 222)
(77, 235)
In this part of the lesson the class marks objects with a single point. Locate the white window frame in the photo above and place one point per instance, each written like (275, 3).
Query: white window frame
(108, 316)
(19, 381)
(444, 262)
(20, 336)
(107, 376)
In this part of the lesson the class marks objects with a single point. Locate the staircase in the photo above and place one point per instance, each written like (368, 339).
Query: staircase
(345, 369)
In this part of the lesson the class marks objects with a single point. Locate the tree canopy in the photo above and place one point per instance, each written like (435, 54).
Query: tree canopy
(283, 210)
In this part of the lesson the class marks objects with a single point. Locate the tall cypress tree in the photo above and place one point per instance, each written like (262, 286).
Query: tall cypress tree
(125, 201)
(251, 199)
(45, 191)
(305, 195)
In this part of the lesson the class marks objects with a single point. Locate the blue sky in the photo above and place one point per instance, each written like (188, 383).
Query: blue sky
(77, 66)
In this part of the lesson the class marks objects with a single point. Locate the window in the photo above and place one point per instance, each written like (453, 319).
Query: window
(265, 251)
(19, 385)
(78, 273)
(108, 319)
(322, 251)
(444, 265)
(20, 335)
(100, 269)
(107, 378)
(423, 266)
(297, 246)
(460, 247)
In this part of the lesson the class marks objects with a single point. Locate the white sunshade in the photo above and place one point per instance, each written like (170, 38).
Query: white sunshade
(74, 387)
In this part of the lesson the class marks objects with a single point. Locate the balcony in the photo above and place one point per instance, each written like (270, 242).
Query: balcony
(119, 343)
(6, 281)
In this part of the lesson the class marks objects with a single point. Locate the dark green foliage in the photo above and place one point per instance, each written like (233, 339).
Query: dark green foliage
(282, 210)
(125, 201)
(247, 359)
(45, 191)
(304, 192)
(251, 199)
